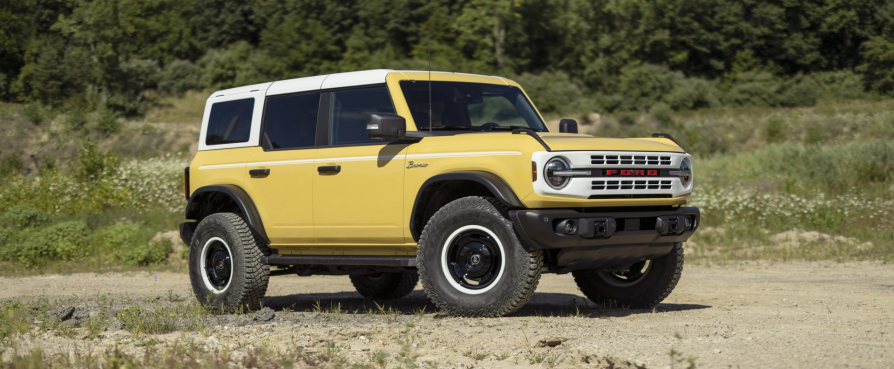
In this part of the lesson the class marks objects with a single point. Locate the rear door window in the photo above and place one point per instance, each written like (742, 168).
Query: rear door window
(291, 121)
(230, 122)
(349, 111)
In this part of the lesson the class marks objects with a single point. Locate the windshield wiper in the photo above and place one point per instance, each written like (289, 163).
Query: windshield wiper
(512, 128)
(453, 128)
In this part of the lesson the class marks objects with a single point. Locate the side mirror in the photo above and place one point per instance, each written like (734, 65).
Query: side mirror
(385, 126)
(568, 126)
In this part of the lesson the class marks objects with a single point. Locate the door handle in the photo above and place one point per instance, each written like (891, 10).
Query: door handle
(329, 169)
(259, 172)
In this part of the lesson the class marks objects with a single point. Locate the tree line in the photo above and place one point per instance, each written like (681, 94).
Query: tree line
(573, 55)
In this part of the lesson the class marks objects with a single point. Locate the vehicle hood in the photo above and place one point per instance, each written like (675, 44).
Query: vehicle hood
(580, 142)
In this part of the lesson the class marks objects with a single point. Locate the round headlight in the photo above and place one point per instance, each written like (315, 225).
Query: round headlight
(554, 164)
(686, 170)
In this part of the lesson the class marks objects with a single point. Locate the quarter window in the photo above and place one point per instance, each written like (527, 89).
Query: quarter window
(291, 121)
(230, 122)
(350, 109)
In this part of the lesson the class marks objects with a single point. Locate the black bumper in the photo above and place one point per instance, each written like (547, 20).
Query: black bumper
(594, 240)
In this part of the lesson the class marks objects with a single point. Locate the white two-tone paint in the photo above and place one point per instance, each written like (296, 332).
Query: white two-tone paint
(260, 91)
(361, 158)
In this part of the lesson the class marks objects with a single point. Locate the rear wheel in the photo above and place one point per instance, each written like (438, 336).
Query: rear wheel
(385, 285)
(225, 266)
(642, 286)
(471, 262)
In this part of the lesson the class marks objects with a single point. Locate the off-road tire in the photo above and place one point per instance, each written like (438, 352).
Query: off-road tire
(655, 287)
(510, 290)
(385, 286)
(248, 281)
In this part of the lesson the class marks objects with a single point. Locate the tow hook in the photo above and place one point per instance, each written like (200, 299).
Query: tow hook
(673, 224)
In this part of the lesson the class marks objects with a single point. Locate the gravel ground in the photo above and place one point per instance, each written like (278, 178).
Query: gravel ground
(783, 315)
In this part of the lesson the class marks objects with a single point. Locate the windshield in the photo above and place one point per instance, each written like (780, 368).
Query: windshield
(470, 106)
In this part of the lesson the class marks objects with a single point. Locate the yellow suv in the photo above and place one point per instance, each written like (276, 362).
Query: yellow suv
(390, 177)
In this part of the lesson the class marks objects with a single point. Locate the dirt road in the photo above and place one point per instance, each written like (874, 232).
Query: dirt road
(786, 315)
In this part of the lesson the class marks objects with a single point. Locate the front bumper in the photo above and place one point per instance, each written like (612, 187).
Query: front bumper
(603, 239)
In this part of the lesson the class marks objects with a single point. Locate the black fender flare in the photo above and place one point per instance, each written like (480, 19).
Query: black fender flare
(497, 186)
(239, 196)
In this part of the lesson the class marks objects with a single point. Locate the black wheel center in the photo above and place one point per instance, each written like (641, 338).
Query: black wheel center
(474, 259)
(218, 265)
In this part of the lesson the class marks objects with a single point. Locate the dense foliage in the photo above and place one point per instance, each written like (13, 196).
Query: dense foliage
(609, 54)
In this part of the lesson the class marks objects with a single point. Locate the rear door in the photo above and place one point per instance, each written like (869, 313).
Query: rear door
(280, 172)
(358, 181)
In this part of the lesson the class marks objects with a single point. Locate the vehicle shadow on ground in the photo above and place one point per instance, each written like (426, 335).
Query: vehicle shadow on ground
(543, 304)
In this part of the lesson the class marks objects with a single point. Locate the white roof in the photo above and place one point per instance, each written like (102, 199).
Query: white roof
(326, 81)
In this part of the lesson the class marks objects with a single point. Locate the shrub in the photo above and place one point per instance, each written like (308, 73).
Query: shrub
(108, 122)
(127, 105)
(36, 246)
(662, 113)
(113, 239)
(180, 76)
(627, 119)
(692, 93)
(775, 130)
(239, 64)
(152, 253)
(643, 85)
(132, 80)
(753, 88)
(840, 85)
(77, 119)
(10, 165)
(25, 217)
(815, 134)
(93, 162)
(555, 92)
(35, 113)
(6, 234)
(131, 244)
(801, 91)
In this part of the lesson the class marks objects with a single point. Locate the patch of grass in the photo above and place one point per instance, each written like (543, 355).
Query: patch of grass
(15, 318)
(476, 355)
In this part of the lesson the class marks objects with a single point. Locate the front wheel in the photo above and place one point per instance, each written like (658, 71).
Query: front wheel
(225, 266)
(642, 286)
(472, 264)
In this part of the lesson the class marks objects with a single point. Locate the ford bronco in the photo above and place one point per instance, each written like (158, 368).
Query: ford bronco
(391, 177)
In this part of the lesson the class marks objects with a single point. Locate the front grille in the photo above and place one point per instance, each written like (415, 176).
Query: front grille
(632, 184)
(630, 160)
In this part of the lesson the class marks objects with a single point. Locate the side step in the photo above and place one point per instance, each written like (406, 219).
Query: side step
(340, 260)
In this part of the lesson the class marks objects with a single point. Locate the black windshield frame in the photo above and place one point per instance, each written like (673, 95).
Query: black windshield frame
(469, 106)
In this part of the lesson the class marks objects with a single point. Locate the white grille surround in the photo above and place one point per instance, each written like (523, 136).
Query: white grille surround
(596, 187)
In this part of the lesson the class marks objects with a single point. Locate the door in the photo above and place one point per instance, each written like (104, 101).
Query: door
(280, 172)
(358, 181)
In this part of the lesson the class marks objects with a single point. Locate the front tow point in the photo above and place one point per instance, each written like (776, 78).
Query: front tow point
(671, 225)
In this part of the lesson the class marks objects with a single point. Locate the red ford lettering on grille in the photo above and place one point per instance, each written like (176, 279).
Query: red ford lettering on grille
(631, 173)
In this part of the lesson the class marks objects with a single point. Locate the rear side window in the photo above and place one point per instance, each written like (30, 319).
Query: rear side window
(291, 121)
(230, 122)
(350, 109)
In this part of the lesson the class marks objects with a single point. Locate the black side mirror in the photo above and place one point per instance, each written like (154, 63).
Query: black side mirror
(568, 126)
(385, 126)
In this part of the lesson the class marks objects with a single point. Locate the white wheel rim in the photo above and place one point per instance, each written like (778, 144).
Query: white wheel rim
(210, 286)
(445, 265)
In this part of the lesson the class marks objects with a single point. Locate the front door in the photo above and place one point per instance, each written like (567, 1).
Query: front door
(280, 178)
(358, 181)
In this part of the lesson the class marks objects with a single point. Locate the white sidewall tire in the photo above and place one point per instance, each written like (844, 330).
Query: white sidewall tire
(204, 255)
(446, 269)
